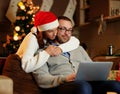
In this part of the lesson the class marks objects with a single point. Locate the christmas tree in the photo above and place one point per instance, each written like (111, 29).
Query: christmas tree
(22, 25)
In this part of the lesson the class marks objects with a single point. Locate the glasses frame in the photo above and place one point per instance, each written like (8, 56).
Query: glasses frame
(64, 29)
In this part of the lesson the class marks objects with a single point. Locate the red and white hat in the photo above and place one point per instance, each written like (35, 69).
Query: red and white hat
(45, 21)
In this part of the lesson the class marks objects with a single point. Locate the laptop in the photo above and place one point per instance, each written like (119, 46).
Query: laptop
(93, 71)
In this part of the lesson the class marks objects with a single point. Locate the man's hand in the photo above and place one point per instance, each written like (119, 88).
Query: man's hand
(70, 77)
(53, 50)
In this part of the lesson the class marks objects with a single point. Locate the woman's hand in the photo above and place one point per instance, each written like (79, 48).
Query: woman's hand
(70, 77)
(53, 50)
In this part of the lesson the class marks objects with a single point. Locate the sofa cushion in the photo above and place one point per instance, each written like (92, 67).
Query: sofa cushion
(24, 83)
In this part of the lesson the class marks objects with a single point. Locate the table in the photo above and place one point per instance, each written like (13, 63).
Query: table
(114, 59)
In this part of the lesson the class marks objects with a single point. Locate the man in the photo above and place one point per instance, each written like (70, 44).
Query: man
(58, 74)
(45, 28)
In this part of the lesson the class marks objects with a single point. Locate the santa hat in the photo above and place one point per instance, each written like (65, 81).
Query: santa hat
(45, 21)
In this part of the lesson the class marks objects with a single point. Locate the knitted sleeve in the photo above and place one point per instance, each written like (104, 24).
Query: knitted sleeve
(72, 44)
(45, 80)
(31, 61)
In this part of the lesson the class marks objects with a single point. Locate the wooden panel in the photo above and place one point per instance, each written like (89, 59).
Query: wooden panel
(56, 7)
(98, 7)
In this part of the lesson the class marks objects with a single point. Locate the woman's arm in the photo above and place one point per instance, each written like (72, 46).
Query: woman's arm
(72, 44)
(31, 61)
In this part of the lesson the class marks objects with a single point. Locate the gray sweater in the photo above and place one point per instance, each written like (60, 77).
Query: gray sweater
(55, 70)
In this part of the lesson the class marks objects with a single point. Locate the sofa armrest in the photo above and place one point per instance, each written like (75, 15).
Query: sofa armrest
(6, 85)
(24, 83)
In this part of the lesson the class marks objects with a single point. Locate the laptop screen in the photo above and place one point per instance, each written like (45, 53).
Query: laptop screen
(93, 71)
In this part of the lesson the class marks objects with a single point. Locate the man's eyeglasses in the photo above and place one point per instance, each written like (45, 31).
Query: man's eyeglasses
(64, 29)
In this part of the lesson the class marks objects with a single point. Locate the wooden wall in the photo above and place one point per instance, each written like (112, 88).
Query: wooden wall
(59, 7)
(97, 44)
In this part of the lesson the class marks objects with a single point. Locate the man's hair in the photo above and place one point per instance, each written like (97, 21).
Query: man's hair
(64, 18)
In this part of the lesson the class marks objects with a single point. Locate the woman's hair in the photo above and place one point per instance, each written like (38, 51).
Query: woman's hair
(41, 34)
(40, 39)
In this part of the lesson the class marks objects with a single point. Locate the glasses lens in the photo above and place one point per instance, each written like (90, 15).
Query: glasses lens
(64, 29)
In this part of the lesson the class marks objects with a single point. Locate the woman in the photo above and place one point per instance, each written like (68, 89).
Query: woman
(33, 51)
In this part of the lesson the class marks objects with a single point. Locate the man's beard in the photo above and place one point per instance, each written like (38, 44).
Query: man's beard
(63, 40)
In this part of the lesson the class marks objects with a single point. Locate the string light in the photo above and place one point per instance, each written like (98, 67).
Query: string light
(17, 28)
(21, 5)
(15, 37)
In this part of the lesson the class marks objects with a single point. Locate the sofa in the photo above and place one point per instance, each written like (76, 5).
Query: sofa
(23, 83)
